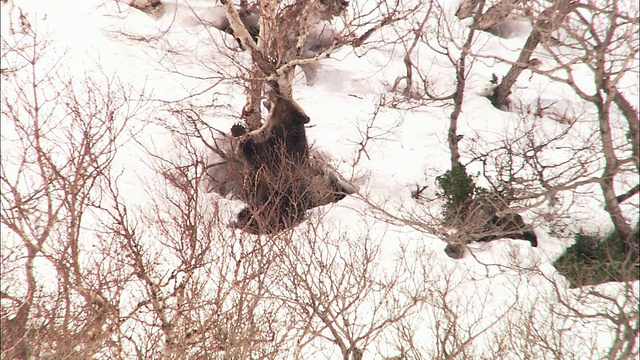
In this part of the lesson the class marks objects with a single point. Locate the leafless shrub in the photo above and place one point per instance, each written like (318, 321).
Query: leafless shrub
(60, 136)
(87, 274)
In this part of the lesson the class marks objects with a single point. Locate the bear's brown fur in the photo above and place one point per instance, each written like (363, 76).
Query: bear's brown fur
(276, 156)
(282, 139)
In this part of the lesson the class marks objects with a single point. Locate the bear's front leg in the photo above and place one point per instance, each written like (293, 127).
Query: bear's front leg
(248, 149)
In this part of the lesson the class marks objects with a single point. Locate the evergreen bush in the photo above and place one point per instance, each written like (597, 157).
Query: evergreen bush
(594, 260)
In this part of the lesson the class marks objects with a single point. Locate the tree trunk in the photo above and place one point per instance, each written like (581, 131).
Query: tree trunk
(452, 135)
(285, 81)
(612, 205)
(548, 21)
(458, 96)
(257, 51)
(251, 112)
(632, 118)
(502, 92)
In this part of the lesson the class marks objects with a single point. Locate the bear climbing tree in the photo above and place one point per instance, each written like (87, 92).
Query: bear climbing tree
(273, 170)
(275, 157)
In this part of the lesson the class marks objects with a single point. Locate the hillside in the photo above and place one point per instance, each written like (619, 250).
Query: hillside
(112, 247)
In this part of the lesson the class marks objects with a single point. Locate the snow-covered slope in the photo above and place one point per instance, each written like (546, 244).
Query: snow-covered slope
(498, 285)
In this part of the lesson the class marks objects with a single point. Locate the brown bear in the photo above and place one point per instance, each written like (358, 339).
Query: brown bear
(488, 217)
(276, 156)
(510, 225)
(282, 139)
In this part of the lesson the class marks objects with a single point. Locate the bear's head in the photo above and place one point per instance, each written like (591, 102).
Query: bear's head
(282, 110)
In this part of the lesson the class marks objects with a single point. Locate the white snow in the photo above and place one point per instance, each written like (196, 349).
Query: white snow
(405, 148)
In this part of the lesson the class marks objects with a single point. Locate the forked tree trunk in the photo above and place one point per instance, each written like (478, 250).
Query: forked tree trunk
(268, 53)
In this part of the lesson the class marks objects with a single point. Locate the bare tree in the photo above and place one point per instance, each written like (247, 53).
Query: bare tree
(278, 37)
(334, 287)
(59, 142)
(600, 36)
(86, 273)
(546, 22)
(201, 290)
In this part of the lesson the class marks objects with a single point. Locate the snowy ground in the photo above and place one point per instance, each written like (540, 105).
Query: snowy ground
(409, 148)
